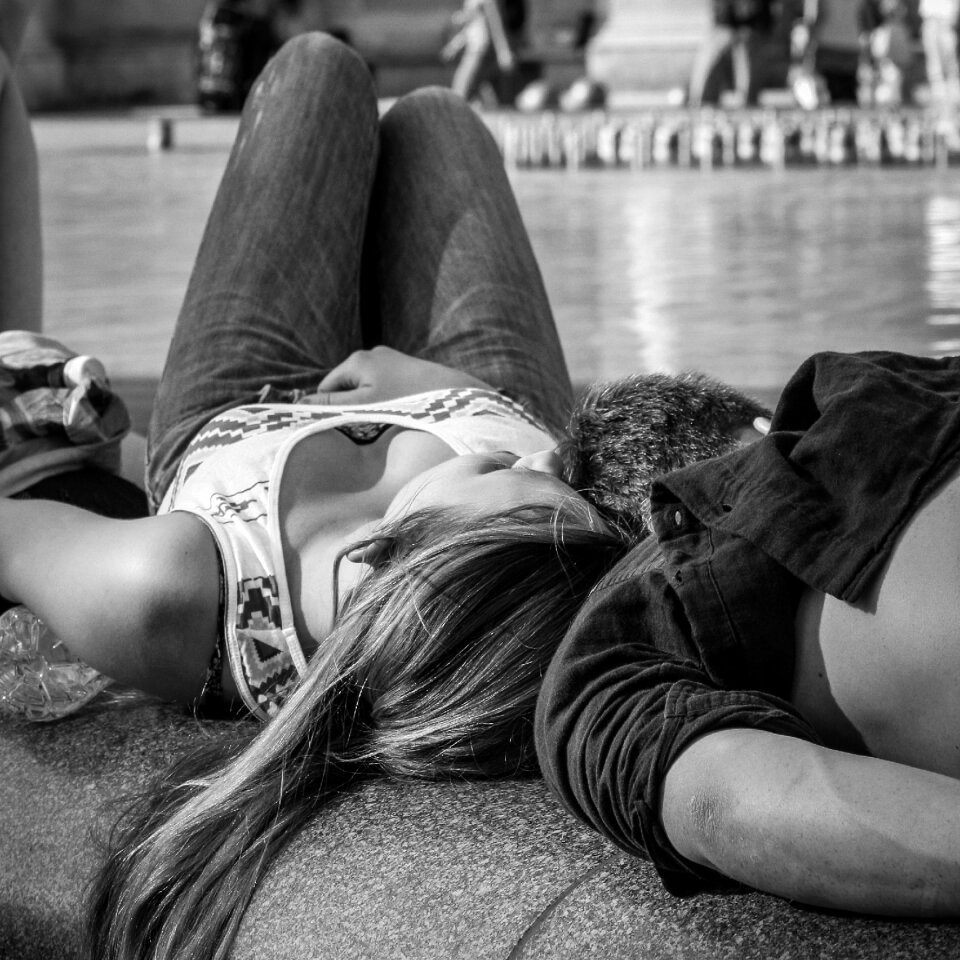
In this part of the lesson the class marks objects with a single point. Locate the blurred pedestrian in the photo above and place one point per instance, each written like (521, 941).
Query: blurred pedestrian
(235, 40)
(807, 84)
(879, 78)
(736, 24)
(488, 31)
(939, 33)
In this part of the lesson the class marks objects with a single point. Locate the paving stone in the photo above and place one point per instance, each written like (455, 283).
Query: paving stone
(417, 871)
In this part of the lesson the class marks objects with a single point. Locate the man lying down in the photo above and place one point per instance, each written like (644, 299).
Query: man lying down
(766, 689)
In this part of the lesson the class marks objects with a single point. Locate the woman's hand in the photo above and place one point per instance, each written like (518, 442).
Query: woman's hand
(368, 376)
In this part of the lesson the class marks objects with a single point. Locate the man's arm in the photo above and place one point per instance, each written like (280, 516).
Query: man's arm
(817, 825)
(709, 784)
(136, 599)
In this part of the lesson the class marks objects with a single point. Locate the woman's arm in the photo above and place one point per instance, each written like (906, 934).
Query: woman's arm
(136, 599)
(817, 825)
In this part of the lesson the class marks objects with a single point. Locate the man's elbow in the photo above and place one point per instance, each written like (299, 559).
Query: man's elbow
(698, 815)
(711, 810)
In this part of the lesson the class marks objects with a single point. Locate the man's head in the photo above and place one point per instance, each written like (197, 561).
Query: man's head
(624, 434)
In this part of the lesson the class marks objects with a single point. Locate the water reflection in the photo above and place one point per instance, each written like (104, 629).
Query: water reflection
(741, 273)
(943, 279)
(744, 274)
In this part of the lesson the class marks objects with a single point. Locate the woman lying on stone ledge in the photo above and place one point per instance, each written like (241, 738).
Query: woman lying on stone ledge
(285, 461)
(374, 548)
(332, 231)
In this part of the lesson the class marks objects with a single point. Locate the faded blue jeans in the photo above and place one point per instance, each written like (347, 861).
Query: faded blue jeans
(332, 231)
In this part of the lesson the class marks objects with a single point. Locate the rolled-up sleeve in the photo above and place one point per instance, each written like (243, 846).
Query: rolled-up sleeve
(615, 711)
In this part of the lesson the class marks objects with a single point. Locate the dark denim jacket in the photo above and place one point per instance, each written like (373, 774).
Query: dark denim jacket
(694, 632)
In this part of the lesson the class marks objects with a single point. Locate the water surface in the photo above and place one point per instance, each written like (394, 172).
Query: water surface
(741, 273)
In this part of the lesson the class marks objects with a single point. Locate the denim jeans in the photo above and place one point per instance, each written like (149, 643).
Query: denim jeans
(333, 231)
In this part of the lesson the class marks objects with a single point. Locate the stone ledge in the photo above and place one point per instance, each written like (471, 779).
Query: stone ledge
(416, 870)
(642, 137)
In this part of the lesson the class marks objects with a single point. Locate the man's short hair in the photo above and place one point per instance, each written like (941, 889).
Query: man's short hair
(626, 433)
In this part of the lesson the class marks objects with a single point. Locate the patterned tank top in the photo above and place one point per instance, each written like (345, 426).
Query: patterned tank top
(230, 478)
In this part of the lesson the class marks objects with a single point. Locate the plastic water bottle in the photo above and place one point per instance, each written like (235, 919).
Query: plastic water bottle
(39, 679)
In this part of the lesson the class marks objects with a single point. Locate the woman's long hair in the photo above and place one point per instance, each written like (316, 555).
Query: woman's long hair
(432, 672)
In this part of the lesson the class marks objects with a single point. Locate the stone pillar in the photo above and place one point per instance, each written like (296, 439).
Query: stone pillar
(648, 44)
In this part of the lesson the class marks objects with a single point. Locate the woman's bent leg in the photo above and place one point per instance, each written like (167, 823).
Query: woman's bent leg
(273, 297)
(21, 252)
(450, 272)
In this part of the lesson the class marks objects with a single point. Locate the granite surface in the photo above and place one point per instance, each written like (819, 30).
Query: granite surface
(413, 871)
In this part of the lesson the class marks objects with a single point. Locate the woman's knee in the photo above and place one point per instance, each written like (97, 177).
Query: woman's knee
(433, 116)
(425, 103)
(313, 63)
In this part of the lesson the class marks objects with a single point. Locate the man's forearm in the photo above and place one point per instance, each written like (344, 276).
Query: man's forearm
(817, 825)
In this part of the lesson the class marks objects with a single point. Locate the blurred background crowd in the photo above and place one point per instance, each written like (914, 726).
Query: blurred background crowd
(570, 54)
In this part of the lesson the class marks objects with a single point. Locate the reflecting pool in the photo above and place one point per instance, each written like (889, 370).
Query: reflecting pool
(738, 272)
